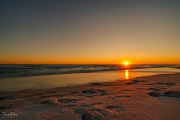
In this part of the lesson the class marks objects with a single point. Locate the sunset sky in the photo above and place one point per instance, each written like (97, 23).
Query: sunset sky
(89, 31)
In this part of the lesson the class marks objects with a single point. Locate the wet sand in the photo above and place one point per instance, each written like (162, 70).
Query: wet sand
(152, 98)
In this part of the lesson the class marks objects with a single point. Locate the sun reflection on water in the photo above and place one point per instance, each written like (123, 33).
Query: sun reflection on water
(126, 74)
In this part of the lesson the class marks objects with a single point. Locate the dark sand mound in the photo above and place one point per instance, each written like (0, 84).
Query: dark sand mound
(92, 115)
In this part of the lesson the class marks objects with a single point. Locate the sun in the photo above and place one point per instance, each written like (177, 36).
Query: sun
(126, 63)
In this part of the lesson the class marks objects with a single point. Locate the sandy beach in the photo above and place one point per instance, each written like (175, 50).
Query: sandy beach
(153, 98)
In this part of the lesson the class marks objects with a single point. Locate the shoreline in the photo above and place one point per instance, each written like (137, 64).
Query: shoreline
(87, 84)
(63, 80)
(153, 97)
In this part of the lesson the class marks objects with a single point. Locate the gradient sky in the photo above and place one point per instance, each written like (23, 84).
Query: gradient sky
(89, 31)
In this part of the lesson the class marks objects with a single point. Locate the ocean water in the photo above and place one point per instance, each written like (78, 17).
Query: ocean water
(7, 71)
(10, 71)
(21, 77)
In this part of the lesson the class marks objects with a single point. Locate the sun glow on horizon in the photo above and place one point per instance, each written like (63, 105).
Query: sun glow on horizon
(126, 63)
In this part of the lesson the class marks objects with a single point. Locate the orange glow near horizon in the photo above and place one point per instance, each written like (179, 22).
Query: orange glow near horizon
(57, 60)
(48, 61)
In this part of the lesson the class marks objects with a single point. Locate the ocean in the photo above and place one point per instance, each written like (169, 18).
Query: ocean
(7, 71)
(22, 77)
